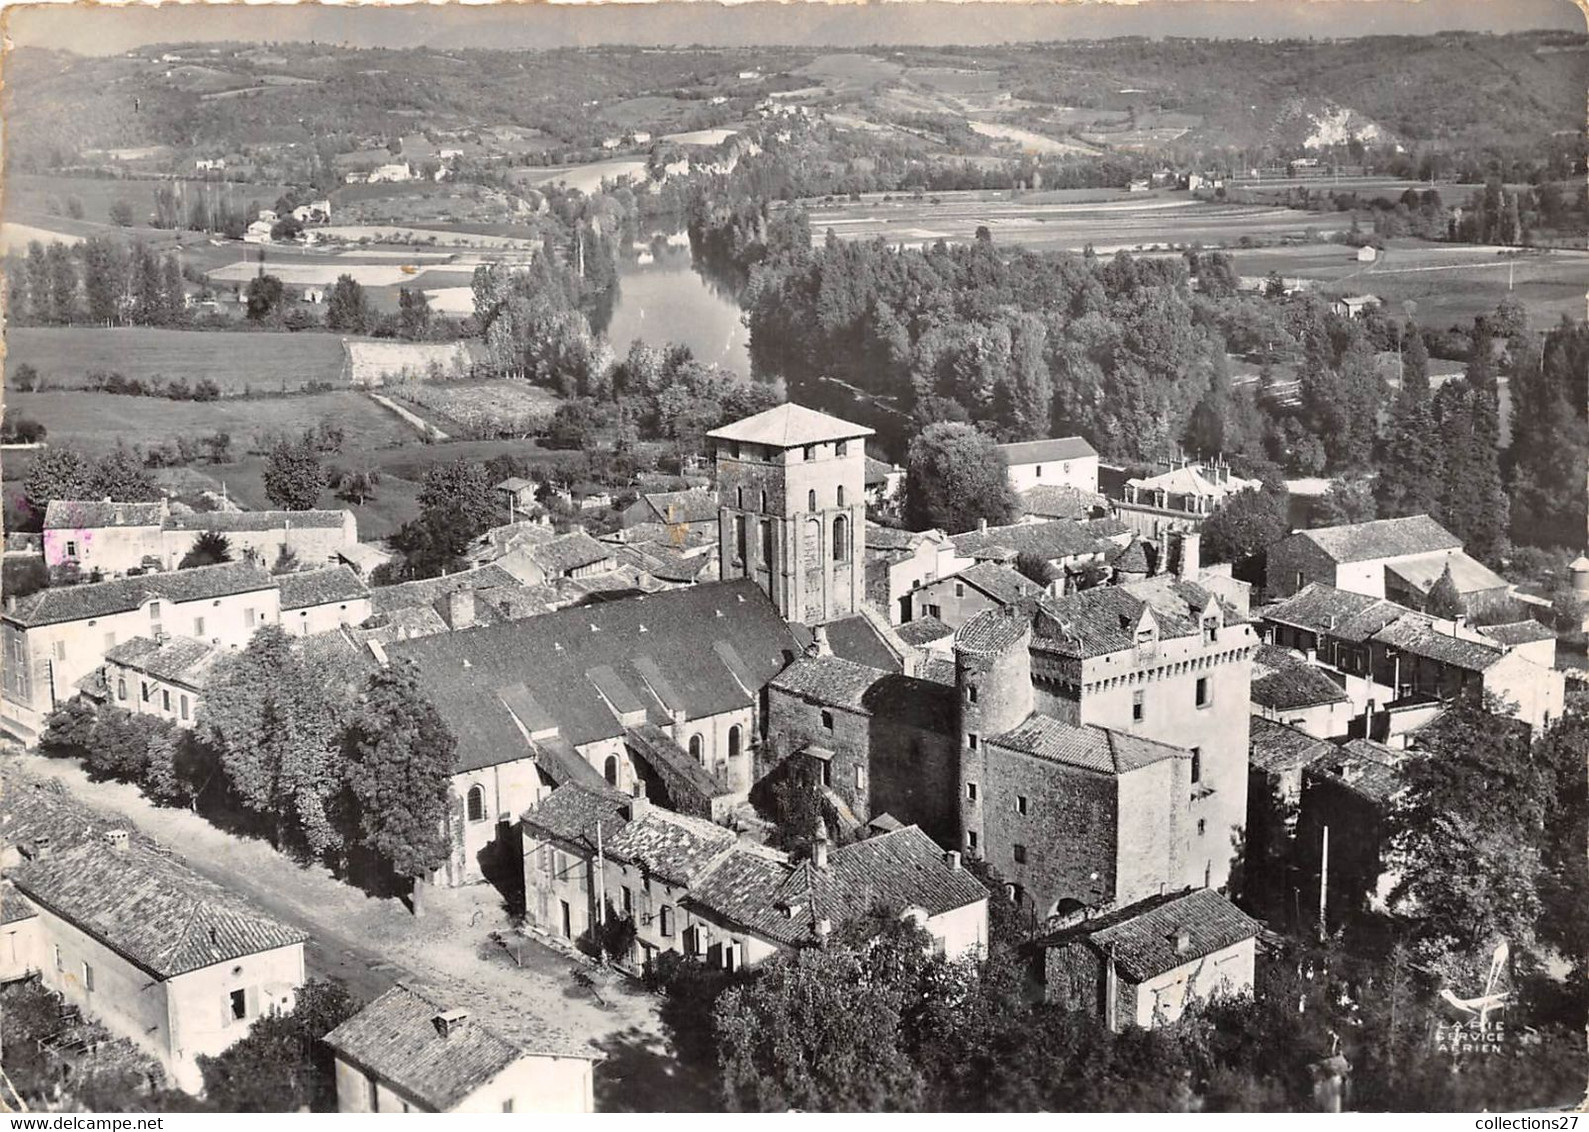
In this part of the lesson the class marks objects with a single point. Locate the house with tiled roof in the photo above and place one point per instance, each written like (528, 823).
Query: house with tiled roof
(1143, 964)
(1178, 499)
(899, 562)
(1399, 559)
(423, 1047)
(1277, 756)
(156, 953)
(1351, 791)
(316, 601)
(1065, 461)
(574, 555)
(956, 599)
(692, 510)
(1051, 501)
(164, 678)
(109, 537)
(1287, 689)
(566, 696)
(884, 483)
(57, 638)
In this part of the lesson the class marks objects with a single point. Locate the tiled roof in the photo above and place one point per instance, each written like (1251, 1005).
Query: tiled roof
(74, 514)
(14, 907)
(991, 632)
(1043, 451)
(1142, 937)
(1340, 613)
(303, 589)
(1418, 635)
(1365, 767)
(569, 552)
(856, 638)
(900, 870)
(1133, 558)
(1060, 501)
(515, 484)
(162, 916)
(1517, 632)
(1382, 538)
(662, 562)
(683, 506)
(1089, 747)
(744, 889)
(30, 810)
(384, 599)
(1193, 480)
(655, 746)
(1277, 749)
(924, 631)
(572, 812)
(100, 599)
(401, 624)
(937, 670)
(879, 537)
(396, 1039)
(1103, 620)
(1468, 574)
(674, 847)
(256, 520)
(828, 680)
(1001, 583)
(788, 426)
(1062, 538)
(877, 472)
(700, 651)
(1294, 686)
(177, 658)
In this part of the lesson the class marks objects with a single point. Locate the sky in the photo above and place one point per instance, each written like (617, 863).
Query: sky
(88, 29)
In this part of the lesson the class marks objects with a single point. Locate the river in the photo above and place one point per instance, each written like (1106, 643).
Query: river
(664, 298)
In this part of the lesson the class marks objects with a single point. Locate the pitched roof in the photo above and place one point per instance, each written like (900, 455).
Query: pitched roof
(1103, 620)
(256, 520)
(160, 915)
(789, 426)
(573, 811)
(1062, 538)
(700, 651)
(1468, 574)
(1342, 614)
(1275, 748)
(303, 589)
(1142, 937)
(879, 537)
(691, 506)
(856, 638)
(991, 631)
(744, 889)
(1365, 767)
(1381, 538)
(100, 599)
(396, 1038)
(1419, 636)
(405, 595)
(74, 514)
(1087, 747)
(674, 847)
(181, 659)
(1294, 686)
(999, 582)
(828, 680)
(900, 870)
(30, 810)
(924, 631)
(13, 905)
(569, 552)
(1060, 501)
(937, 670)
(1517, 632)
(1191, 479)
(877, 472)
(1042, 451)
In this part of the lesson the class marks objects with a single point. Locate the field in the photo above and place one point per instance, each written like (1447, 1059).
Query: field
(480, 408)
(35, 196)
(97, 421)
(585, 178)
(268, 361)
(1028, 141)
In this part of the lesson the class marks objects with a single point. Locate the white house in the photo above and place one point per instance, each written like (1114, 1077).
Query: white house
(156, 953)
(1066, 461)
(420, 1048)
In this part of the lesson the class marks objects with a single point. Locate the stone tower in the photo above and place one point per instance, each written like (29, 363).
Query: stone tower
(993, 681)
(791, 486)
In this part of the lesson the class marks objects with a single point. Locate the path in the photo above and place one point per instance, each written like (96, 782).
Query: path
(424, 428)
(369, 942)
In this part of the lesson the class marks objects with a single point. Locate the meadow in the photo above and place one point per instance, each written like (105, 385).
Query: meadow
(36, 195)
(269, 361)
(481, 408)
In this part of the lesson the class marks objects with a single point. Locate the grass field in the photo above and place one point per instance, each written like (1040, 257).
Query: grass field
(484, 408)
(97, 421)
(45, 194)
(234, 360)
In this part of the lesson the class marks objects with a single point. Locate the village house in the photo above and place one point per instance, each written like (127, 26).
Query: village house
(1142, 965)
(884, 483)
(1277, 756)
(111, 538)
(979, 587)
(517, 495)
(1067, 546)
(1049, 502)
(665, 688)
(422, 1048)
(1067, 461)
(1347, 797)
(686, 513)
(315, 601)
(1354, 306)
(1179, 499)
(1399, 559)
(900, 562)
(1398, 667)
(157, 954)
(1287, 689)
(164, 678)
(54, 638)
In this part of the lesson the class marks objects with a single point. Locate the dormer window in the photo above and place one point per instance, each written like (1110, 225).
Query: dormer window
(809, 453)
(1210, 630)
(841, 448)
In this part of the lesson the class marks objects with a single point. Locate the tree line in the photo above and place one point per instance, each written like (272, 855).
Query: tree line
(101, 280)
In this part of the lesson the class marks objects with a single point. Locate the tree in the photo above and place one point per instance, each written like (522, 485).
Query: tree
(121, 476)
(347, 308)
(1245, 525)
(121, 214)
(461, 488)
(413, 314)
(1036, 567)
(956, 476)
(1445, 600)
(293, 478)
(282, 1064)
(273, 717)
(359, 486)
(57, 473)
(287, 228)
(264, 295)
(399, 758)
(1411, 468)
(209, 549)
(1349, 500)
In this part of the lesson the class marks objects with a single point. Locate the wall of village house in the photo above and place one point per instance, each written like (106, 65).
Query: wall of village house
(797, 722)
(144, 694)
(1539, 693)
(995, 694)
(555, 874)
(1079, 472)
(323, 618)
(1357, 835)
(536, 1084)
(1322, 721)
(952, 601)
(175, 1020)
(912, 774)
(110, 550)
(717, 935)
(358, 1091)
(1161, 1000)
(510, 788)
(313, 546)
(961, 930)
(714, 730)
(1171, 714)
(660, 920)
(21, 948)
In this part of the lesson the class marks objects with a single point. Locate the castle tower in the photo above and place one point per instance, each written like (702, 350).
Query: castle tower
(993, 679)
(791, 486)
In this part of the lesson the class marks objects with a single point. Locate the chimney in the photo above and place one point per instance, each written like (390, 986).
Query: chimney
(11, 603)
(1183, 941)
(1190, 564)
(449, 1022)
(41, 848)
(952, 859)
(982, 524)
(116, 838)
(819, 852)
(460, 609)
(819, 641)
(824, 928)
(639, 804)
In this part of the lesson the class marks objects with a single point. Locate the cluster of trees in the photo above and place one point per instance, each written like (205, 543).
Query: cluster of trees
(101, 280)
(176, 389)
(457, 504)
(328, 765)
(64, 472)
(295, 475)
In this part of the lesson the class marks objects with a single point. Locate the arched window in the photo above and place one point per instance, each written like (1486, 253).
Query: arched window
(815, 527)
(811, 500)
(695, 747)
(610, 772)
(739, 496)
(841, 495)
(764, 502)
(841, 539)
(476, 802)
(733, 741)
(121, 687)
